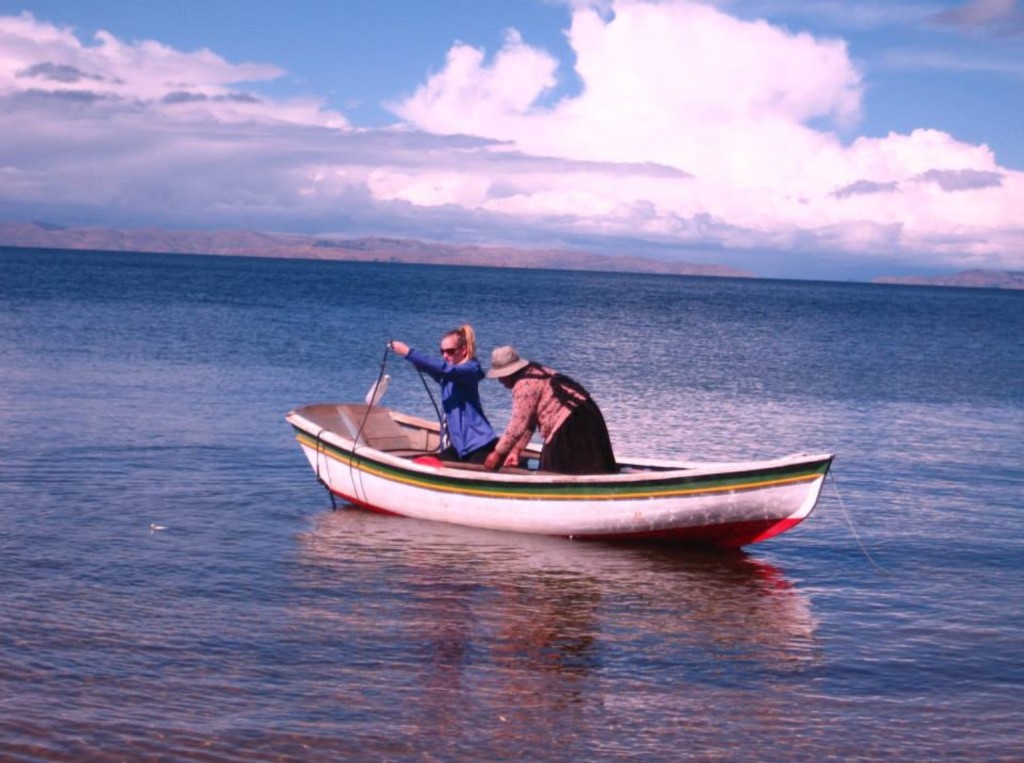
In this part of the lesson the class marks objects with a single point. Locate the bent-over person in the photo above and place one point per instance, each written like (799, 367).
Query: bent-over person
(575, 435)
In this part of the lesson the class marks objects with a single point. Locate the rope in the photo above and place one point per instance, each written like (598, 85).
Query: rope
(849, 522)
(433, 402)
(440, 418)
(321, 480)
(376, 386)
(366, 415)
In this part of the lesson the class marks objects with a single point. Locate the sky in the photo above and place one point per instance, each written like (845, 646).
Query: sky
(824, 139)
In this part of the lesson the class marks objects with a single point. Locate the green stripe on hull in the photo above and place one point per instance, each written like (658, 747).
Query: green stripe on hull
(608, 491)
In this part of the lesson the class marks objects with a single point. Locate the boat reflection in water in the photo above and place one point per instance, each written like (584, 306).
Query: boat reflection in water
(513, 632)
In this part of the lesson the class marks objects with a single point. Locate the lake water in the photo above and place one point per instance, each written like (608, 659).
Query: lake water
(177, 587)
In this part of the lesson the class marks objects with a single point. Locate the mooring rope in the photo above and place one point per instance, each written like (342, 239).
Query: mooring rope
(321, 452)
(849, 522)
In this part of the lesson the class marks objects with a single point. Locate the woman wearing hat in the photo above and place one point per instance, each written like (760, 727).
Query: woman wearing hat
(466, 433)
(575, 436)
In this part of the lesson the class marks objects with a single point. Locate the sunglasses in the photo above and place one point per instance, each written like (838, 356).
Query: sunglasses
(449, 350)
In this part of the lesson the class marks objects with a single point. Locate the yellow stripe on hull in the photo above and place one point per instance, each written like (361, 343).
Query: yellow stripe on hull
(557, 495)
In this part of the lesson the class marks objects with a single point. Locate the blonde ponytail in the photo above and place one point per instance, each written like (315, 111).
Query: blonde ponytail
(469, 337)
(466, 337)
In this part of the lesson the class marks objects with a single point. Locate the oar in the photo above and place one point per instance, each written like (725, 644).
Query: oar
(377, 390)
(379, 387)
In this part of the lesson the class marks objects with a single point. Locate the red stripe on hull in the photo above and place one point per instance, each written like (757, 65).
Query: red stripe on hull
(731, 535)
(367, 506)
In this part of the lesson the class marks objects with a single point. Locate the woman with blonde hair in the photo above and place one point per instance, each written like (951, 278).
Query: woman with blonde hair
(466, 434)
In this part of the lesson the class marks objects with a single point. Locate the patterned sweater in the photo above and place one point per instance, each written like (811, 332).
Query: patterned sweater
(538, 402)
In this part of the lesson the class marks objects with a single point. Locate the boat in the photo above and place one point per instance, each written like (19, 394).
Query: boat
(386, 461)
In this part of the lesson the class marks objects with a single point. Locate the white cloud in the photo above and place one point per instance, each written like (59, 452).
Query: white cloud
(690, 128)
(470, 96)
(740, 106)
(50, 63)
(116, 132)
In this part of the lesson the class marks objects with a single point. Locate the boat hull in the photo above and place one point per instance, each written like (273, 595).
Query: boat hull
(726, 505)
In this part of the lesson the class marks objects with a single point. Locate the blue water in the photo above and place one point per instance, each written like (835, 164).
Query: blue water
(176, 586)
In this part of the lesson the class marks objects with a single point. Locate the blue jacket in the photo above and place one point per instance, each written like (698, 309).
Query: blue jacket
(468, 427)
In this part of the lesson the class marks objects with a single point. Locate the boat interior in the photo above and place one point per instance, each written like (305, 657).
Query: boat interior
(378, 427)
(404, 436)
(392, 432)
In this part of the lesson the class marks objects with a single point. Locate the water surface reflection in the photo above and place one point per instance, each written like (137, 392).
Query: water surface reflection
(544, 636)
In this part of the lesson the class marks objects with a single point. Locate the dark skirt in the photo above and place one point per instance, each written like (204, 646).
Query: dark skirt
(581, 445)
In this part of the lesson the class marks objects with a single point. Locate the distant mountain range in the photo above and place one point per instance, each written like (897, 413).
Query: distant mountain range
(978, 279)
(377, 249)
(368, 249)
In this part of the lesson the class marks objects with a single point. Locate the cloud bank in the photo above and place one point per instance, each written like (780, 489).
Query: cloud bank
(996, 17)
(691, 130)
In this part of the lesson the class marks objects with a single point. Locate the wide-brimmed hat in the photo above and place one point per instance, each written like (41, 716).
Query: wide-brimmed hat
(505, 361)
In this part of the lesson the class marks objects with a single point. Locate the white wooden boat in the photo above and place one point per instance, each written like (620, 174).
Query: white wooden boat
(386, 461)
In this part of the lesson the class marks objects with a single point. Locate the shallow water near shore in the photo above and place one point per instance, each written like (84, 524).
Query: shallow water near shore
(177, 585)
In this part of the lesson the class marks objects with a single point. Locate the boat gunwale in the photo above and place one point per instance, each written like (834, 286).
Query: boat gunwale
(807, 467)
